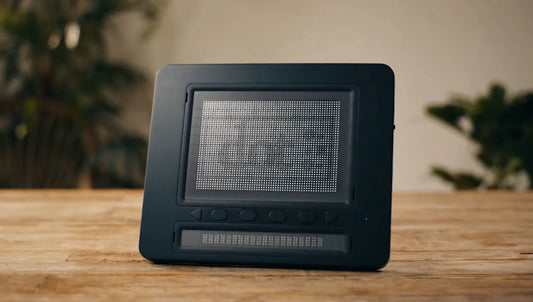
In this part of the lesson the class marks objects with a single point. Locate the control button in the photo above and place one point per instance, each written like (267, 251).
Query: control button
(197, 214)
(219, 215)
(306, 217)
(248, 215)
(330, 217)
(276, 216)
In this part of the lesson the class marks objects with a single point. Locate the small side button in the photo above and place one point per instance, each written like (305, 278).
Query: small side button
(197, 214)
(219, 215)
(306, 217)
(276, 216)
(247, 215)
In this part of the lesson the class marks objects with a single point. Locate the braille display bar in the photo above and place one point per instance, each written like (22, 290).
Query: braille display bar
(202, 239)
(269, 145)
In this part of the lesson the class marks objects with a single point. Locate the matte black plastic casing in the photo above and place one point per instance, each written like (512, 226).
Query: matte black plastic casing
(364, 218)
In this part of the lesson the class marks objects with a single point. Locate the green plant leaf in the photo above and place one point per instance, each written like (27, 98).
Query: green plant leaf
(503, 129)
(460, 180)
(449, 114)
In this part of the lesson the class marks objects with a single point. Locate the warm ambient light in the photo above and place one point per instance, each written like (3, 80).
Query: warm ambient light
(72, 35)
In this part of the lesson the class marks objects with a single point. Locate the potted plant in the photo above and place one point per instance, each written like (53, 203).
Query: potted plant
(502, 128)
(58, 88)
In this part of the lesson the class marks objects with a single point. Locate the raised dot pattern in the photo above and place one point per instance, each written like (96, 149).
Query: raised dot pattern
(280, 145)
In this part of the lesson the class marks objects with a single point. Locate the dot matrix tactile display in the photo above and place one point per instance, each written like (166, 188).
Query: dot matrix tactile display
(274, 145)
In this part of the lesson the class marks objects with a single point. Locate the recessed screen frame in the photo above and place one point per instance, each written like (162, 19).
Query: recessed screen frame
(347, 124)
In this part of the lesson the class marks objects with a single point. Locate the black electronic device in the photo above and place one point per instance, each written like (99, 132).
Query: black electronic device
(285, 165)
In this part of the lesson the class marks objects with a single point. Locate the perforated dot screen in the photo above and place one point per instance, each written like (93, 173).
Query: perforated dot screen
(286, 146)
(274, 145)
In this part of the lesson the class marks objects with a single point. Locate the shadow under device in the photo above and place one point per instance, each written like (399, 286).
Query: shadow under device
(281, 165)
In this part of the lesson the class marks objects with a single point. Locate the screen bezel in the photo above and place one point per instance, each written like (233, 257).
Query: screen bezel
(276, 199)
(346, 103)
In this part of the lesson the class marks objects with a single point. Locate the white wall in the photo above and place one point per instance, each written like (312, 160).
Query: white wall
(436, 48)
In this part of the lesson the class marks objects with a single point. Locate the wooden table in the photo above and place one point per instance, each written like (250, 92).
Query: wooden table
(81, 245)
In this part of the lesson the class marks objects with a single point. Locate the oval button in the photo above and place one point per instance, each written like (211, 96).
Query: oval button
(306, 217)
(248, 215)
(219, 215)
(276, 216)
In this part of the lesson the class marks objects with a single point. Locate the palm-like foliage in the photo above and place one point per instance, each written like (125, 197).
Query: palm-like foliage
(58, 93)
(502, 127)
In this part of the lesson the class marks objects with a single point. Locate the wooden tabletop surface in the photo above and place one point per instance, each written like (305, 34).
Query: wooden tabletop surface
(81, 245)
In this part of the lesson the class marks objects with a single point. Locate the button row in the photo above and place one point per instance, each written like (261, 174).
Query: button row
(273, 216)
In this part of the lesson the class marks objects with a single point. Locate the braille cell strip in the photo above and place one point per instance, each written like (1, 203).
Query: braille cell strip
(210, 239)
(280, 146)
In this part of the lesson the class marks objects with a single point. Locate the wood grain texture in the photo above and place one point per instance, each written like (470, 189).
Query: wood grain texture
(65, 245)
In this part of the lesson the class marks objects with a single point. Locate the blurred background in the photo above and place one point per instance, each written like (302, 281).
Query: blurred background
(76, 80)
